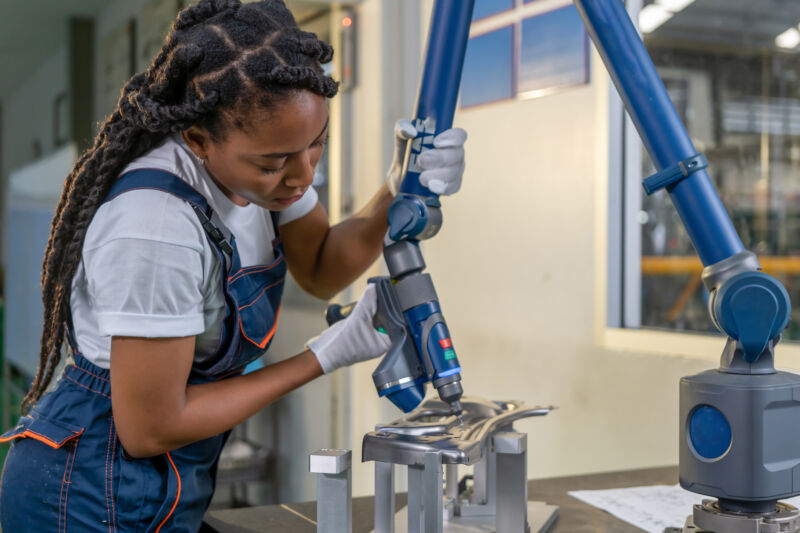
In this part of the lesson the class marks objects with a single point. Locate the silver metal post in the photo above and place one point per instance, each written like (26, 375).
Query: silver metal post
(432, 492)
(334, 490)
(384, 497)
(451, 488)
(414, 506)
(511, 480)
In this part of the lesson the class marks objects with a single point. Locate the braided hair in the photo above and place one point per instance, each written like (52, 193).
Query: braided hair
(219, 60)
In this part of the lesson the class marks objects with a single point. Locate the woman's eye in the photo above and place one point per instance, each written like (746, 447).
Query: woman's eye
(270, 170)
(321, 142)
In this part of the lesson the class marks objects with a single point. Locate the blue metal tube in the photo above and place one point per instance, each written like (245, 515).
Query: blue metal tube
(659, 126)
(438, 93)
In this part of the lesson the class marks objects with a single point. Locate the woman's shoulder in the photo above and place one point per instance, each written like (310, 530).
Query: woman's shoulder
(170, 155)
(145, 215)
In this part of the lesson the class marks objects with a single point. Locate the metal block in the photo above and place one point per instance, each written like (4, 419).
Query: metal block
(510, 443)
(329, 461)
(511, 482)
(334, 490)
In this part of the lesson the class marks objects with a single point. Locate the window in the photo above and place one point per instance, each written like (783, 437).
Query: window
(732, 70)
(553, 52)
(523, 50)
(485, 8)
(487, 68)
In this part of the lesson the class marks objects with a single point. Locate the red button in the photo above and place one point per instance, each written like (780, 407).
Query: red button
(445, 343)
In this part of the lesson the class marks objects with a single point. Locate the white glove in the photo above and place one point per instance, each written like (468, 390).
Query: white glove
(353, 339)
(442, 166)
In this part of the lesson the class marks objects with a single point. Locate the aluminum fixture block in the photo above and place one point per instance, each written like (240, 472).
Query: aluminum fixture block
(511, 482)
(329, 461)
(334, 490)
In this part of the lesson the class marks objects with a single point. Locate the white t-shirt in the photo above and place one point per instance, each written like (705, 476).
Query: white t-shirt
(148, 269)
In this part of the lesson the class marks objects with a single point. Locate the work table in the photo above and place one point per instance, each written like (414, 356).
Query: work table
(575, 516)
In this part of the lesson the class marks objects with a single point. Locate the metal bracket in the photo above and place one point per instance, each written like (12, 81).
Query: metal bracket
(675, 173)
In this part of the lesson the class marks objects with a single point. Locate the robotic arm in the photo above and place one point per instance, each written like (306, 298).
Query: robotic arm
(733, 439)
(408, 307)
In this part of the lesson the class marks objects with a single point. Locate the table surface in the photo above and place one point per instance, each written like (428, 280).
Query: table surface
(575, 516)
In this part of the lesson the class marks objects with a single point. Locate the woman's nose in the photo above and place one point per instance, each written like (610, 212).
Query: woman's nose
(302, 172)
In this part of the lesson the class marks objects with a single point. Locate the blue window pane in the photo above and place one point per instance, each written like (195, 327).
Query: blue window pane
(484, 8)
(487, 68)
(554, 51)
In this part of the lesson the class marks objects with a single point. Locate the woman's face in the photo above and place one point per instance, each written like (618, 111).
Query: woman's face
(272, 163)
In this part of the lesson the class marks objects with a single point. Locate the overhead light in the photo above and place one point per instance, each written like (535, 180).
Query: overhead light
(788, 39)
(653, 16)
(674, 5)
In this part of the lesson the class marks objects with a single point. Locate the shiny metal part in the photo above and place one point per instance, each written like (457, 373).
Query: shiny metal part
(433, 427)
(334, 490)
(433, 441)
(710, 518)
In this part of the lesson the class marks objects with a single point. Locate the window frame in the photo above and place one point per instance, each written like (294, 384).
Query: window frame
(523, 10)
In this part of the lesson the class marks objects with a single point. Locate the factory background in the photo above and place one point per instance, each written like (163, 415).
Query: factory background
(562, 284)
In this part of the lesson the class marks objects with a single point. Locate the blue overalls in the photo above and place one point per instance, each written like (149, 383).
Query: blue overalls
(66, 470)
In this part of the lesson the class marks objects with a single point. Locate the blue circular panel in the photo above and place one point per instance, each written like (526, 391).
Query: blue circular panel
(709, 432)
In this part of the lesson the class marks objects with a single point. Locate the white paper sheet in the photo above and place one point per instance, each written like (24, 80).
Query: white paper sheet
(651, 508)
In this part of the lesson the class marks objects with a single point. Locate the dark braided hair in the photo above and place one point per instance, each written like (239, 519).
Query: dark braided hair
(220, 59)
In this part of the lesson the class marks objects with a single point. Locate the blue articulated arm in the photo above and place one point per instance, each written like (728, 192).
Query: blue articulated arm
(408, 307)
(748, 305)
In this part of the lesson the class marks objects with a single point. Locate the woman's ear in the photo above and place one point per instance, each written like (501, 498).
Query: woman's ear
(197, 139)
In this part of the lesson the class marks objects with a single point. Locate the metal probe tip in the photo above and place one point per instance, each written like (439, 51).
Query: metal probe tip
(456, 409)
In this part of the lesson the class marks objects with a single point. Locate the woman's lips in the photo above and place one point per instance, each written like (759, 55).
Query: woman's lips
(289, 200)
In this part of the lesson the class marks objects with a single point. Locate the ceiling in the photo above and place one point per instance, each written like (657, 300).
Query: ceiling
(731, 23)
(32, 30)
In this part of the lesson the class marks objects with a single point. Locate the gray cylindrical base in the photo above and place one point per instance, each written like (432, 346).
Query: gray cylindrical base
(739, 436)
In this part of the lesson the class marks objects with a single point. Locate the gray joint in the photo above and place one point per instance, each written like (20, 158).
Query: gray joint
(434, 223)
(403, 257)
(721, 271)
(415, 290)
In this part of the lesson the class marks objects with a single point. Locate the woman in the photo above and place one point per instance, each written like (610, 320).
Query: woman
(165, 267)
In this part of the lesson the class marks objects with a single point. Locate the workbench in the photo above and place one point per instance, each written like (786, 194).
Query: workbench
(575, 517)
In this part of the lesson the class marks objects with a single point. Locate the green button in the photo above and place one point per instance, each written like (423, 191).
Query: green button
(449, 354)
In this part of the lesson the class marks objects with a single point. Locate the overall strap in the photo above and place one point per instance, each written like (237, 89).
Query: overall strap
(149, 178)
(275, 217)
(161, 180)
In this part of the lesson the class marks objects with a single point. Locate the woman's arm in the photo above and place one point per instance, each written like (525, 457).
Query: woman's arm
(324, 259)
(155, 411)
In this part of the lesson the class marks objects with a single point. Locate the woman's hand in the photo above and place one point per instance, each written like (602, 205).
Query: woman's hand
(442, 166)
(353, 339)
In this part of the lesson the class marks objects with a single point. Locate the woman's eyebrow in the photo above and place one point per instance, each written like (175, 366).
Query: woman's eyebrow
(279, 155)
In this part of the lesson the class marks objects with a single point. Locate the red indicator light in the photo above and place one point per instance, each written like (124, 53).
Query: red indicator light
(445, 343)
(347, 22)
